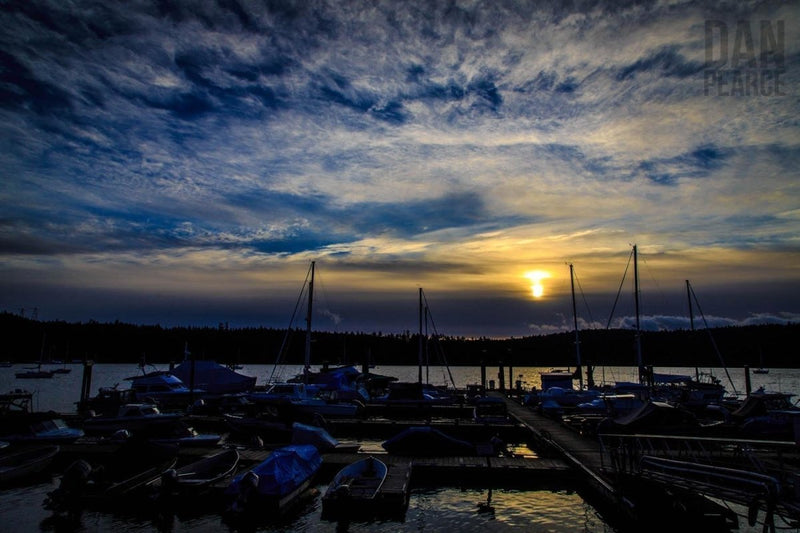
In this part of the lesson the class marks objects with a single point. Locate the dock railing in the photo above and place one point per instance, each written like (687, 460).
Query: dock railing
(754, 473)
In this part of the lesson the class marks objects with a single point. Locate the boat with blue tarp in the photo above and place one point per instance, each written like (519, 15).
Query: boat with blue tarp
(276, 483)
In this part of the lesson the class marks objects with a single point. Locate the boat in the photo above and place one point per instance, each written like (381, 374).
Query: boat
(15, 402)
(305, 398)
(491, 410)
(40, 428)
(345, 383)
(316, 436)
(142, 418)
(268, 428)
(35, 373)
(163, 388)
(767, 415)
(18, 465)
(107, 402)
(761, 369)
(654, 418)
(353, 492)
(61, 369)
(275, 484)
(185, 436)
(213, 378)
(426, 441)
(195, 477)
(108, 485)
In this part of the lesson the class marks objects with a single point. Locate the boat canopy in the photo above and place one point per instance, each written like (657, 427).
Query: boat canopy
(214, 378)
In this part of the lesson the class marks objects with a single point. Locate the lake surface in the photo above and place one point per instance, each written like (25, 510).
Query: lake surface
(441, 508)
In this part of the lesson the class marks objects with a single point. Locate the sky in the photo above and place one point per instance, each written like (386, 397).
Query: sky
(182, 163)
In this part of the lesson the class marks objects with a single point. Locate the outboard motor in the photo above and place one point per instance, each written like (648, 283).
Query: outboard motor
(248, 488)
(73, 482)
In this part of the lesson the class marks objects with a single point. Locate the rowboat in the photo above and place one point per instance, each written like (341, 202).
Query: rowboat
(16, 466)
(354, 490)
(196, 477)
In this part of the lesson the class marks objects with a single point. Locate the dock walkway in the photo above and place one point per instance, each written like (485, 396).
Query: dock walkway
(581, 453)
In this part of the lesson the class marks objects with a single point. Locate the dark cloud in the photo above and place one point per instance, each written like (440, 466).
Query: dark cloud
(698, 163)
(667, 61)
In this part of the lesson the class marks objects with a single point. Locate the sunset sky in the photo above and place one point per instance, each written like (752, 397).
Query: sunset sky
(182, 163)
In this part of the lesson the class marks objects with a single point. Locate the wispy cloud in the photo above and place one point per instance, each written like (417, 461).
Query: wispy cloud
(448, 143)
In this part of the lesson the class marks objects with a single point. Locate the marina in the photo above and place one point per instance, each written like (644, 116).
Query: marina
(545, 454)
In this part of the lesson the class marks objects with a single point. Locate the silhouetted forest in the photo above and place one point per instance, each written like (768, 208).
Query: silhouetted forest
(26, 340)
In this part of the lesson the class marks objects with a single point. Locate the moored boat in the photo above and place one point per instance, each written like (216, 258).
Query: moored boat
(136, 418)
(34, 373)
(491, 410)
(275, 484)
(353, 492)
(108, 484)
(18, 465)
(196, 477)
(40, 429)
(213, 378)
(163, 388)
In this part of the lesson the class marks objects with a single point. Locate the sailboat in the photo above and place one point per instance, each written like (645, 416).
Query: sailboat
(677, 389)
(34, 373)
(761, 369)
(302, 394)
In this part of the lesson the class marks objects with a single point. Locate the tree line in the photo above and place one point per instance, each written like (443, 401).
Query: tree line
(26, 340)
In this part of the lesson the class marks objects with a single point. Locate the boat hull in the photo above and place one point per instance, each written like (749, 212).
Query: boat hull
(354, 491)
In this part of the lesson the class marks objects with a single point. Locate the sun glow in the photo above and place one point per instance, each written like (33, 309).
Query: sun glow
(536, 277)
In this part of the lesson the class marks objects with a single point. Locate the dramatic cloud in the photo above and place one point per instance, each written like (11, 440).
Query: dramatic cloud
(207, 151)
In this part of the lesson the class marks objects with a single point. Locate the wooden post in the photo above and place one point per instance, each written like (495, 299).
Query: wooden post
(747, 386)
(501, 376)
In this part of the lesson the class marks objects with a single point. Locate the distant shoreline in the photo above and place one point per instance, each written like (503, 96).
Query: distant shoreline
(28, 341)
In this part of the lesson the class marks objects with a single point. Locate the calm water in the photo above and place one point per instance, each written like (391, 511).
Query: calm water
(430, 509)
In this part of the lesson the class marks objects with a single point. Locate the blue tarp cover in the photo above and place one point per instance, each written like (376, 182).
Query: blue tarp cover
(283, 471)
(306, 434)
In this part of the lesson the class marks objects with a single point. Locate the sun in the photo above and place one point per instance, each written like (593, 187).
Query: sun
(536, 277)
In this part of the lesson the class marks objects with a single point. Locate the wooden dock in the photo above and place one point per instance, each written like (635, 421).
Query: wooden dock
(581, 453)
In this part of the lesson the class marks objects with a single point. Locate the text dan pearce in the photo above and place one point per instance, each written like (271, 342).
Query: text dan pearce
(746, 76)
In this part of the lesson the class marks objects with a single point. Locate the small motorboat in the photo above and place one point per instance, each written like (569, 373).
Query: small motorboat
(196, 477)
(42, 430)
(133, 417)
(16, 466)
(353, 491)
(275, 484)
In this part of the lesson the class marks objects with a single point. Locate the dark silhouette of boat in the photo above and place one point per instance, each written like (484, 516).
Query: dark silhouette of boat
(16, 466)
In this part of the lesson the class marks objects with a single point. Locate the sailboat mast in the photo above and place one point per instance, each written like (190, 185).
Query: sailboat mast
(419, 355)
(636, 302)
(575, 321)
(307, 361)
(691, 322)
